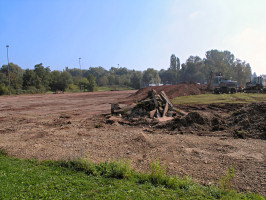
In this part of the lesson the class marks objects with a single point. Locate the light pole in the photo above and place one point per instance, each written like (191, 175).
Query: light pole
(80, 75)
(8, 70)
(118, 78)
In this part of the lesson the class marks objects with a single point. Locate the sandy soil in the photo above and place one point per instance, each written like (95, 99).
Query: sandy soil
(57, 126)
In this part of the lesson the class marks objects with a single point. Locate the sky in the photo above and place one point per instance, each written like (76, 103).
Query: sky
(136, 34)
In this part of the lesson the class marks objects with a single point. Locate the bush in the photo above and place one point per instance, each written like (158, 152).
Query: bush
(3, 152)
(227, 181)
(115, 169)
(240, 134)
(3, 89)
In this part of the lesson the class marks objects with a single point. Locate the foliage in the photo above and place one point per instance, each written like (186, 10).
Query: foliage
(240, 134)
(195, 69)
(91, 83)
(29, 79)
(151, 76)
(158, 173)
(3, 152)
(60, 81)
(135, 79)
(3, 89)
(42, 76)
(227, 181)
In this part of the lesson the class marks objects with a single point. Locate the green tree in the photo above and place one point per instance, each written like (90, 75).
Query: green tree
(173, 62)
(151, 76)
(16, 76)
(3, 89)
(193, 70)
(43, 76)
(242, 72)
(60, 81)
(98, 73)
(3, 78)
(220, 61)
(29, 79)
(91, 83)
(103, 81)
(135, 80)
(65, 80)
(167, 76)
(111, 79)
(173, 69)
(55, 81)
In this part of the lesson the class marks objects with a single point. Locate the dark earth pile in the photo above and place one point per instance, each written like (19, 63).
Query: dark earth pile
(250, 121)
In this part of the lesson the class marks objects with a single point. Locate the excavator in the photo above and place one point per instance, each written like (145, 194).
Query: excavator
(255, 85)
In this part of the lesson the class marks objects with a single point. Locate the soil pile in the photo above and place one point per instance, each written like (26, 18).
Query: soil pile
(250, 121)
(195, 122)
(172, 91)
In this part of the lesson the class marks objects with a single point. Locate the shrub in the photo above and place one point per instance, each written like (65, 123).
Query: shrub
(3, 89)
(227, 180)
(158, 173)
(240, 134)
(3, 152)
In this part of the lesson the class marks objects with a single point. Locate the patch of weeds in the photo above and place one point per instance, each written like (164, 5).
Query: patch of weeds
(158, 176)
(80, 164)
(215, 191)
(99, 125)
(3, 152)
(115, 169)
(227, 180)
(158, 173)
(126, 111)
(240, 134)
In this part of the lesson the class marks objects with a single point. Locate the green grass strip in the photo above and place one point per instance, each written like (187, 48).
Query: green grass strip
(220, 98)
(31, 179)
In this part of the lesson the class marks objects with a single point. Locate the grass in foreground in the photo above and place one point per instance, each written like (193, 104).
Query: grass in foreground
(220, 98)
(30, 179)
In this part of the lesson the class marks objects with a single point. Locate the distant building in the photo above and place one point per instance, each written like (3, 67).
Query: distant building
(157, 84)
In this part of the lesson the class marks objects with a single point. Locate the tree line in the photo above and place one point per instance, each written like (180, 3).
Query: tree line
(41, 79)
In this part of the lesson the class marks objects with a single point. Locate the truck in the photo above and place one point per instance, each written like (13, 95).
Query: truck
(218, 84)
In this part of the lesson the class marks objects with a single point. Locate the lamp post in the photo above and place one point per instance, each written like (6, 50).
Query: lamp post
(80, 74)
(8, 70)
(118, 78)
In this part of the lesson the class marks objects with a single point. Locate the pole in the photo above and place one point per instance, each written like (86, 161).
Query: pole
(8, 70)
(80, 75)
(118, 79)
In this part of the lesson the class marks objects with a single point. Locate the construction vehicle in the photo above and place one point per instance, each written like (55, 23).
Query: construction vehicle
(256, 85)
(218, 84)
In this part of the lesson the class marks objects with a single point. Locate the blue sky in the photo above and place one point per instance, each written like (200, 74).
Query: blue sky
(136, 34)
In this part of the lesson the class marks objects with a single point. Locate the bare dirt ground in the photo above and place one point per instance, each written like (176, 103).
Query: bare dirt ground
(60, 126)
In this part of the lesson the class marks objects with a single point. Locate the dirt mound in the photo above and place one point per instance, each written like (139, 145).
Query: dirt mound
(172, 91)
(250, 121)
(195, 122)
